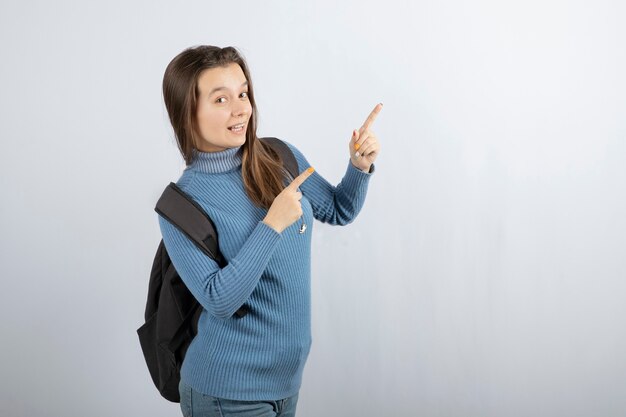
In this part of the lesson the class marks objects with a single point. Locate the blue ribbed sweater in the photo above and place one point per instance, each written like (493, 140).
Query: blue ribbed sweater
(262, 355)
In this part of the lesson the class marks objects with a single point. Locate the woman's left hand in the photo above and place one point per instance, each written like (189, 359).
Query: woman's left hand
(364, 146)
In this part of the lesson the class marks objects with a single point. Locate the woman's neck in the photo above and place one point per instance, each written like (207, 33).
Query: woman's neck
(215, 162)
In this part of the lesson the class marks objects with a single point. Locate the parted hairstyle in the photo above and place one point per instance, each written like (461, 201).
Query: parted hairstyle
(262, 172)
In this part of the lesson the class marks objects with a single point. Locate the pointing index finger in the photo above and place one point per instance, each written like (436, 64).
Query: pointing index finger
(370, 119)
(297, 182)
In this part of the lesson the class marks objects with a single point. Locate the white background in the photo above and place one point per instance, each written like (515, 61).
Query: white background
(485, 276)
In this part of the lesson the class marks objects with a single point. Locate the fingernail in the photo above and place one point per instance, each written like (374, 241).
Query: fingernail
(357, 146)
(310, 170)
(357, 154)
(381, 104)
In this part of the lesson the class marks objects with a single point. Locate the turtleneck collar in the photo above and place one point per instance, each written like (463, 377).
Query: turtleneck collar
(215, 162)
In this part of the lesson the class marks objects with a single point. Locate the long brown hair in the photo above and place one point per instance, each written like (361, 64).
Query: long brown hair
(261, 168)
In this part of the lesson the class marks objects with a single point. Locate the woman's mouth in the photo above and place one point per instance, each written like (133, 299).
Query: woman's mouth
(238, 128)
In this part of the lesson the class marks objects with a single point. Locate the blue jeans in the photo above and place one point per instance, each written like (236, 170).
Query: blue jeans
(197, 404)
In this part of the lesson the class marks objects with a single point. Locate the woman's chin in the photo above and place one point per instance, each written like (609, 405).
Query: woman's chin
(240, 139)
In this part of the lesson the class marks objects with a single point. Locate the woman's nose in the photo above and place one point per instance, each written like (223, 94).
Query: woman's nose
(239, 110)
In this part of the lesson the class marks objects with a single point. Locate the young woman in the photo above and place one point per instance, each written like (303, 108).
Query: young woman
(250, 365)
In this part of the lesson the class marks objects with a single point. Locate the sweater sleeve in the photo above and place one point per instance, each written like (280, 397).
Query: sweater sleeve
(336, 205)
(221, 291)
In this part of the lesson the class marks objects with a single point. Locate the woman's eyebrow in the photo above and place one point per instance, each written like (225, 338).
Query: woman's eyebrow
(224, 88)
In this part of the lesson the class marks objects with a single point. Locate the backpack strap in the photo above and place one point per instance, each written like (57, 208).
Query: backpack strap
(183, 212)
(286, 155)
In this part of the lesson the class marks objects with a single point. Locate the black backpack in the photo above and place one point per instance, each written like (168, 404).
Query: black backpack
(172, 312)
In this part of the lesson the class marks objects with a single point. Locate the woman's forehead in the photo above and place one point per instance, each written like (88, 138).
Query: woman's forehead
(221, 78)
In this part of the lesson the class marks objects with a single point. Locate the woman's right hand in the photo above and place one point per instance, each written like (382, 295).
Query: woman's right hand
(286, 208)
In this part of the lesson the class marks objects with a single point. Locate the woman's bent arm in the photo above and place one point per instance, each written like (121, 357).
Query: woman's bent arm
(221, 291)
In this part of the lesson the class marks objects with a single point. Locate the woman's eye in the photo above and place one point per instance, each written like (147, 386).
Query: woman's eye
(218, 100)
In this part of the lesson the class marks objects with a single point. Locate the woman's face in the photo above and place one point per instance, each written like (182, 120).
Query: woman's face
(222, 102)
